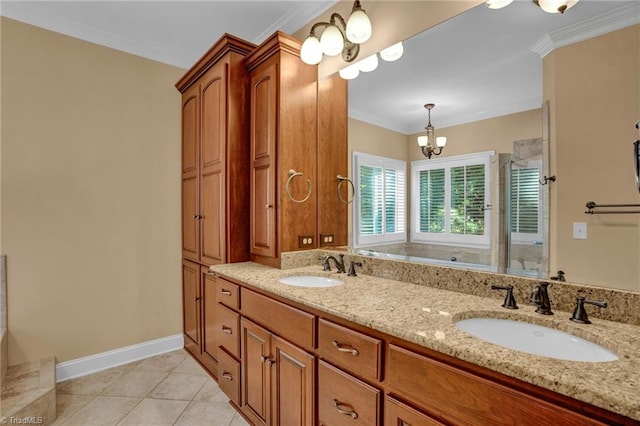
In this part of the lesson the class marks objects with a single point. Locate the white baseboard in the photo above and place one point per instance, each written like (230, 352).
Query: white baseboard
(93, 363)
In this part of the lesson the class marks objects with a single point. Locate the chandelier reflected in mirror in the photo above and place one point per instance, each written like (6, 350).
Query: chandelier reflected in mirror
(429, 143)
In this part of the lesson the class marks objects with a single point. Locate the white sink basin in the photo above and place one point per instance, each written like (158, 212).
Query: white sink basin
(310, 281)
(535, 339)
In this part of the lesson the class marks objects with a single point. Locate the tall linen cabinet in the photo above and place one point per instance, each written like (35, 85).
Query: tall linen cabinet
(291, 113)
(215, 183)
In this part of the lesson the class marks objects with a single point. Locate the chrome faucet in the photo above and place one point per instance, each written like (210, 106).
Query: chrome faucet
(540, 297)
(326, 265)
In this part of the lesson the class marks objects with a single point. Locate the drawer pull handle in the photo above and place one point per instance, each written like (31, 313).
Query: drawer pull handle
(226, 292)
(344, 348)
(347, 412)
(227, 376)
(227, 330)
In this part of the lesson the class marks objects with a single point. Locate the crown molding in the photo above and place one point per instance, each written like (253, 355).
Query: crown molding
(290, 22)
(613, 20)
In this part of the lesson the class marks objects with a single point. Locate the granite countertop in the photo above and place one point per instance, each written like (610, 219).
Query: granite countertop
(426, 316)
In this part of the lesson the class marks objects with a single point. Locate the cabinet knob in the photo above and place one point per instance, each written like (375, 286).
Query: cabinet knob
(227, 330)
(195, 299)
(267, 360)
(342, 409)
(268, 206)
(227, 376)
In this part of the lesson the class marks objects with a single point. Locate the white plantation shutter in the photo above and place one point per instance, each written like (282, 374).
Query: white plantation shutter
(451, 195)
(379, 207)
(525, 217)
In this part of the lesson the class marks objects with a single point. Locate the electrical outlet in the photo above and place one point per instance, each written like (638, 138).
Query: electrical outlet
(326, 239)
(305, 241)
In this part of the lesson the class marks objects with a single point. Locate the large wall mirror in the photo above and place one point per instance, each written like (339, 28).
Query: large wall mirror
(517, 84)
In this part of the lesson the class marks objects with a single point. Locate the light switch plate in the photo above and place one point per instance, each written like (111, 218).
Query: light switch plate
(579, 231)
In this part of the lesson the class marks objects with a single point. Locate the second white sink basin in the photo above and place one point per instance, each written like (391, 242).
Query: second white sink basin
(310, 281)
(536, 339)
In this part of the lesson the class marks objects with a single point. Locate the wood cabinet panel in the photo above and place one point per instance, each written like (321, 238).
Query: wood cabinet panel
(228, 330)
(228, 293)
(463, 398)
(264, 87)
(191, 304)
(190, 130)
(212, 208)
(292, 384)
(255, 372)
(398, 414)
(209, 321)
(284, 320)
(345, 400)
(332, 157)
(229, 376)
(190, 222)
(351, 350)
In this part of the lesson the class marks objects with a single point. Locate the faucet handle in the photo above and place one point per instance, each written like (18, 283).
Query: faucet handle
(352, 268)
(509, 300)
(535, 296)
(580, 314)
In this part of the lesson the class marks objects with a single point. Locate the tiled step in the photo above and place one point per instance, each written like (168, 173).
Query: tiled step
(29, 392)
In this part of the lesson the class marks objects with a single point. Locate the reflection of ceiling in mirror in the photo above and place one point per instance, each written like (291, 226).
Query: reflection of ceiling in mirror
(477, 65)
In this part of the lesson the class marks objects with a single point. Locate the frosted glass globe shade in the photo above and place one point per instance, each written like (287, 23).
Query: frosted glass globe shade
(331, 41)
(392, 53)
(498, 4)
(311, 52)
(551, 6)
(441, 141)
(369, 63)
(358, 27)
(350, 72)
(422, 141)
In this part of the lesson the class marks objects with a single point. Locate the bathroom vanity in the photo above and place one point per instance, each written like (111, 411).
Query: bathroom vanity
(381, 351)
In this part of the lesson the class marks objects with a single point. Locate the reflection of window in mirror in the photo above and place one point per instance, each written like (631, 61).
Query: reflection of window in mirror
(452, 194)
(526, 220)
(379, 209)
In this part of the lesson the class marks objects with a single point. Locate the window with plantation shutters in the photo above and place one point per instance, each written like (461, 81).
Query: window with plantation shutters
(379, 205)
(526, 221)
(451, 198)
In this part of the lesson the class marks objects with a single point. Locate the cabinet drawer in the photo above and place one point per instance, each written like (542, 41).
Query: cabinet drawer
(463, 398)
(228, 293)
(229, 376)
(345, 400)
(349, 349)
(398, 414)
(298, 326)
(228, 330)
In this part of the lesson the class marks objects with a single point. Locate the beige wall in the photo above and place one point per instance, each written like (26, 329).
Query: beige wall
(90, 195)
(594, 93)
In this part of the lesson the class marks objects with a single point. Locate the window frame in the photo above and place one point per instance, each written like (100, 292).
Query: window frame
(447, 163)
(363, 159)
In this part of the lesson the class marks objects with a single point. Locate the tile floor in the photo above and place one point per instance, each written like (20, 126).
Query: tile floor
(168, 389)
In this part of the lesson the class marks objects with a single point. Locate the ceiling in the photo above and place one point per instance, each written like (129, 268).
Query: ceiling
(477, 65)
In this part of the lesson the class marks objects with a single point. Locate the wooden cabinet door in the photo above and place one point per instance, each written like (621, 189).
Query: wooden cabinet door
(213, 145)
(255, 372)
(209, 320)
(190, 159)
(292, 376)
(264, 89)
(191, 305)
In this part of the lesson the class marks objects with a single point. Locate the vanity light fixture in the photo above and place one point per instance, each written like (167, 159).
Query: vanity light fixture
(338, 37)
(430, 144)
(370, 63)
(549, 6)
